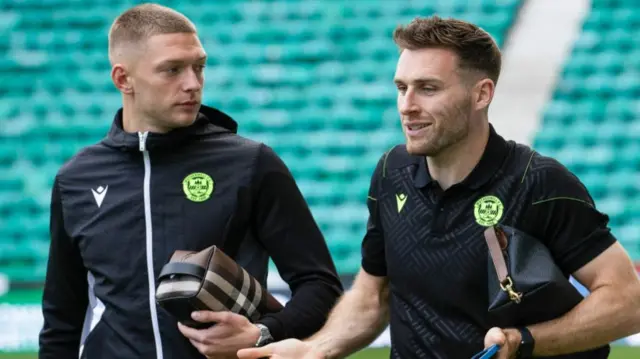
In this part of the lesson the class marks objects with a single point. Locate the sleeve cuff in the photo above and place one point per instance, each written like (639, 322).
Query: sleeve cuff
(375, 269)
(275, 327)
(589, 253)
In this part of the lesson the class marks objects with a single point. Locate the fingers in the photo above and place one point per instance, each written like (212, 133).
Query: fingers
(495, 336)
(202, 348)
(207, 316)
(191, 333)
(210, 351)
(207, 336)
(256, 353)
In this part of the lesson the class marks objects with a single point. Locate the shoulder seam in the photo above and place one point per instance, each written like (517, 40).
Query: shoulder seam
(384, 164)
(80, 154)
(256, 162)
(562, 198)
(57, 184)
(386, 156)
(533, 152)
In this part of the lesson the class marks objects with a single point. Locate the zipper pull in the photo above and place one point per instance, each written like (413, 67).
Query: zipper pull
(143, 140)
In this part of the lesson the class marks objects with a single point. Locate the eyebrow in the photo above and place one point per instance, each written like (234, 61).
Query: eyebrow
(180, 62)
(420, 81)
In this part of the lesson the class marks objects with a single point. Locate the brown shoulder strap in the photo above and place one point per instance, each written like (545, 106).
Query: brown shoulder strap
(495, 242)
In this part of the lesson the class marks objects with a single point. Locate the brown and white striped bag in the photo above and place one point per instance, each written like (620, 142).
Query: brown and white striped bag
(210, 280)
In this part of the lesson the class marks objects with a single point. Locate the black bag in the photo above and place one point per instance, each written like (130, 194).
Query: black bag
(525, 284)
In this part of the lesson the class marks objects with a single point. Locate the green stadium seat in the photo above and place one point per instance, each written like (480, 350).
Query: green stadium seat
(8, 154)
(312, 80)
(10, 181)
(592, 122)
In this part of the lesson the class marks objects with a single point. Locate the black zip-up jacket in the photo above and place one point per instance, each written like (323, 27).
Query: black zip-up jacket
(119, 210)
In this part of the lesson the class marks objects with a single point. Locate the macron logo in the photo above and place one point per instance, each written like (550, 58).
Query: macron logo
(401, 198)
(99, 194)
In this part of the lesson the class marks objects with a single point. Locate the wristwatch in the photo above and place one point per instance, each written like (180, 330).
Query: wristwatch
(525, 349)
(265, 335)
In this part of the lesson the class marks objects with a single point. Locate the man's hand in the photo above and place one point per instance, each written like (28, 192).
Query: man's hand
(507, 339)
(232, 332)
(286, 349)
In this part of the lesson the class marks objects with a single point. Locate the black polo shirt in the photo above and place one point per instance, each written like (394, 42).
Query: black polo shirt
(430, 243)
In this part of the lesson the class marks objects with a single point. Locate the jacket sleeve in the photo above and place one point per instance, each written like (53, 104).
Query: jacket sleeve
(65, 298)
(287, 229)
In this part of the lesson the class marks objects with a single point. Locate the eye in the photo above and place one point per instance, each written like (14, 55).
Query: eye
(200, 68)
(429, 90)
(173, 70)
(402, 89)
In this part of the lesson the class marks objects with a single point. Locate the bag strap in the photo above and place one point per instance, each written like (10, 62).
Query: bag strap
(497, 241)
(495, 249)
(172, 268)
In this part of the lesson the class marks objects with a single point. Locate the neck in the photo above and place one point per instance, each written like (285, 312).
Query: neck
(133, 122)
(455, 163)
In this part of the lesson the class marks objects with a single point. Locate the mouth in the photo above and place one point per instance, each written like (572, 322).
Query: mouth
(188, 103)
(415, 129)
(188, 106)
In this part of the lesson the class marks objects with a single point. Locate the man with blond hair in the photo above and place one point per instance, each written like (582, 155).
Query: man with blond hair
(424, 266)
(122, 207)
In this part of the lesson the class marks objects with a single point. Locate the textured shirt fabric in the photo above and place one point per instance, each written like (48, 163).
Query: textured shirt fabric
(430, 242)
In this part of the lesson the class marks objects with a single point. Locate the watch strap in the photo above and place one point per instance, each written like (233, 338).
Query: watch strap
(527, 342)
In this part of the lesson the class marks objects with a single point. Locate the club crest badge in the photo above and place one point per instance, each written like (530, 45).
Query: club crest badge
(488, 211)
(198, 186)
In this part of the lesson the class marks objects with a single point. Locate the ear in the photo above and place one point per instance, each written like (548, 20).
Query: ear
(121, 79)
(483, 94)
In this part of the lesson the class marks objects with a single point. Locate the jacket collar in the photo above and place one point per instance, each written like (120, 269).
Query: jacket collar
(208, 121)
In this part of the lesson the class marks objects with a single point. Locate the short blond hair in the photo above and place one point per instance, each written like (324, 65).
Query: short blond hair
(140, 22)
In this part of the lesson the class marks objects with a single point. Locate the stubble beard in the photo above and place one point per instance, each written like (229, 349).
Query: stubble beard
(451, 130)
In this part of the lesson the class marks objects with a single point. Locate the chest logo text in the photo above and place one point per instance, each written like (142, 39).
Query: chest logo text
(488, 211)
(198, 186)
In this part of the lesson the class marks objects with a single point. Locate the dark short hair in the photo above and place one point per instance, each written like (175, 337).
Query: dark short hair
(475, 48)
(143, 21)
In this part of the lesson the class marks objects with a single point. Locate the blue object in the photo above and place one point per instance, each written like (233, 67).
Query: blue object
(487, 353)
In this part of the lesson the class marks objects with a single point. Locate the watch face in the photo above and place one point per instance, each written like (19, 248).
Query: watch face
(265, 335)
(264, 341)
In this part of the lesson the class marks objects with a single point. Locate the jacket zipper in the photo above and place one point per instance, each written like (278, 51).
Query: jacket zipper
(149, 241)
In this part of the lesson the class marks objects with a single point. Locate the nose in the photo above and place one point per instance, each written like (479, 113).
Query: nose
(193, 81)
(407, 104)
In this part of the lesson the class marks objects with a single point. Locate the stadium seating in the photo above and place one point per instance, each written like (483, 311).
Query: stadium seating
(592, 123)
(311, 79)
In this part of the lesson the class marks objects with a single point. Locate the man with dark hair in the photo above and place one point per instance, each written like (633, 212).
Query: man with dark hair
(167, 177)
(424, 266)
